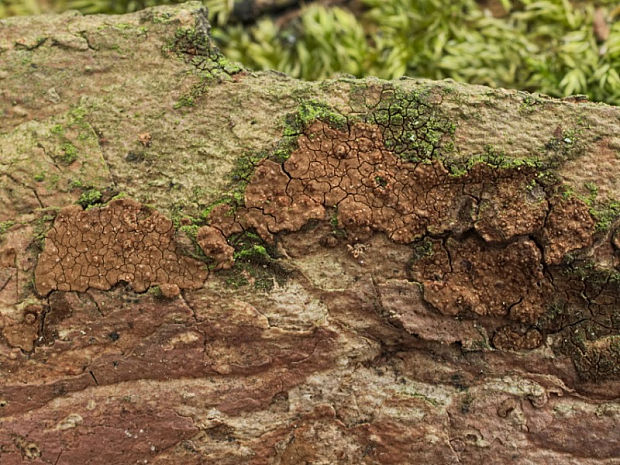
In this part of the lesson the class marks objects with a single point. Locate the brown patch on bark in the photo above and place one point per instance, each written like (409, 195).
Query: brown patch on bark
(470, 278)
(569, 227)
(510, 338)
(510, 208)
(374, 190)
(99, 247)
(213, 244)
(403, 304)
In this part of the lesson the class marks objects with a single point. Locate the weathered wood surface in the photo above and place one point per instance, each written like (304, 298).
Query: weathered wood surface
(202, 264)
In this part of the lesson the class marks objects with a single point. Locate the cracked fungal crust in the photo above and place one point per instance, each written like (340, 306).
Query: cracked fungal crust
(470, 278)
(374, 190)
(494, 218)
(100, 247)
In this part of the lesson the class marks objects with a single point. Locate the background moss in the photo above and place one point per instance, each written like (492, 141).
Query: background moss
(557, 47)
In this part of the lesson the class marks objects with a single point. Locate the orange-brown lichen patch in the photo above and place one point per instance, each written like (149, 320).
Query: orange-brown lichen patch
(213, 244)
(472, 278)
(99, 247)
(569, 227)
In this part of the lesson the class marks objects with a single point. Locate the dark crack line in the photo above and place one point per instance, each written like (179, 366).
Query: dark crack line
(104, 156)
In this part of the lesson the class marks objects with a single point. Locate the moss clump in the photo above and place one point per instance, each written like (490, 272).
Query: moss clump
(255, 254)
(184, 101)
(40, 227)
(310, 111)
(4, 227)
(497, 159)
(57, 130)
(255, 263)
(69, 153)
(156, 292)
(297, 122)
(89, 198)
(605, 214)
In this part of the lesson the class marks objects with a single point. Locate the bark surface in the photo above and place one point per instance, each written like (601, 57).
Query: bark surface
(202, 264)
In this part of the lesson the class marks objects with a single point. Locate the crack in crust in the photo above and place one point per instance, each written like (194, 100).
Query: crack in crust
(100, 247)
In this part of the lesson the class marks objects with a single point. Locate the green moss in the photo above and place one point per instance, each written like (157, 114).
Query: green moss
(57, 130)
(255, 253)
(161, 18)
(155, 291)
(191, 230)
(605, 214)
(76, 184)
(497, 159)
(529, 103)
(69, 153)
(310, 111)
(39, 177)
(40, 227)
(184, 101)
(4, 227)
(254, 262)
(89, 198)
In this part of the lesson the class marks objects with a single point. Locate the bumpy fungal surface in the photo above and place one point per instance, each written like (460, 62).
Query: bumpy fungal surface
(569, 227)
(371, 189)
(100, 247)
(471, 278)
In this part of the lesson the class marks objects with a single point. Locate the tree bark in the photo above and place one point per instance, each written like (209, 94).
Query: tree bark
(204, 264)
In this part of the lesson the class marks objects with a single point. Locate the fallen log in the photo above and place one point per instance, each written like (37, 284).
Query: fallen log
(204, 264)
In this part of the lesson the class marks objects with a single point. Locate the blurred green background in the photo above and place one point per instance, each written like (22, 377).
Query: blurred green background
(556, 47)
